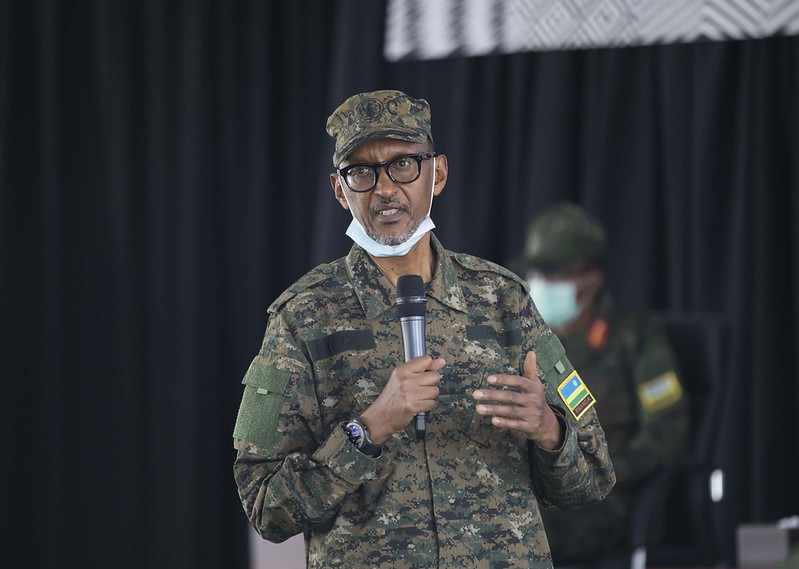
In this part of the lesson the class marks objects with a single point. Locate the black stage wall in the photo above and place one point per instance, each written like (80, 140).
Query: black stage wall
(163, 177)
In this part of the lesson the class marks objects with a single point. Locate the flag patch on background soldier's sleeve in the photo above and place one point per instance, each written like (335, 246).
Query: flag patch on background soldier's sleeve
(659, 393)
(576, 395)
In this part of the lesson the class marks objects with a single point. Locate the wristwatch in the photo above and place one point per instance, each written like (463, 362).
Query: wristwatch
(358, 435)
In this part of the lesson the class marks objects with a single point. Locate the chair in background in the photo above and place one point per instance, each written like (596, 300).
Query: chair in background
(692, 492)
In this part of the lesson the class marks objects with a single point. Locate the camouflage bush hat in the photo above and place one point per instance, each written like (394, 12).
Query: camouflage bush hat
(561, 235)
(379, 114)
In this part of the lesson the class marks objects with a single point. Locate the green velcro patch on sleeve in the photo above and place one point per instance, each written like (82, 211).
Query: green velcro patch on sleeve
(550, 354)
(259, 412)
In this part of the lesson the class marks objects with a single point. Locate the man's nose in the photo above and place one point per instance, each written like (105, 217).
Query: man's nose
(385, 185)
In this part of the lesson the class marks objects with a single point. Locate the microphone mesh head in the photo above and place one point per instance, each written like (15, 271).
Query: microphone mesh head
(410, 285)
(411, 300)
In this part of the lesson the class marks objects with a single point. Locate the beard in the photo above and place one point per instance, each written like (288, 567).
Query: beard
(396, 239)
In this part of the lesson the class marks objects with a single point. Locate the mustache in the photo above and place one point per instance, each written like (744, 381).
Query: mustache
(386, 203)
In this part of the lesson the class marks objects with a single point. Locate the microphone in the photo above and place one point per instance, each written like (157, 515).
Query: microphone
(411, 306)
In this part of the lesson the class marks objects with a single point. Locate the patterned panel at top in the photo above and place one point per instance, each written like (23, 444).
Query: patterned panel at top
(429, 29)
(725, 19)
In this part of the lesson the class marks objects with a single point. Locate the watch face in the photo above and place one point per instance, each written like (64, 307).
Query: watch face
(359, 436)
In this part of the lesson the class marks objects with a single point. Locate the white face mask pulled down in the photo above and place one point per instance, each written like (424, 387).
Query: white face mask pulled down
(357, 233)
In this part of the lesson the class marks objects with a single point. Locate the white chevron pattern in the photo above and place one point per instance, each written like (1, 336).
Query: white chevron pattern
(432, 29)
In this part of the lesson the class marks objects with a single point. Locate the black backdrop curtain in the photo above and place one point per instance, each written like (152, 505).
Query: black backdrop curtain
(163, 176)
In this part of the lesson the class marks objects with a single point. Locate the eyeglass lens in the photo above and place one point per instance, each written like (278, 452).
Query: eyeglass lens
(402, 170)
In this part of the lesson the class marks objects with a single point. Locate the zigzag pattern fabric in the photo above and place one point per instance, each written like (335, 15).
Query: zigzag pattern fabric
(435, 29)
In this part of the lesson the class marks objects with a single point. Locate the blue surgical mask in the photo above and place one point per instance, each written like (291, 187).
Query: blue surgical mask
(555, 300)
(357, 233)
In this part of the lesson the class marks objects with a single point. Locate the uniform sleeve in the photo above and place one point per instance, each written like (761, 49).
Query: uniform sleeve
(291, 476)
(581, 471)
(662, 409)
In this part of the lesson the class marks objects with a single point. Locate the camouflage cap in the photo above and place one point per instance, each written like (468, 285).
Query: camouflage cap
(379, 114)
(561, 235)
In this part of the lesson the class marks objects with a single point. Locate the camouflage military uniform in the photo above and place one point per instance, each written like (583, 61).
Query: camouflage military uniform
(468, 495)
(628, 363)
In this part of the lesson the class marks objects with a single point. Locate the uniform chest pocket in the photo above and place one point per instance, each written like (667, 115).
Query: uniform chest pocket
(349, 367)
(495, 351)
(499, 351)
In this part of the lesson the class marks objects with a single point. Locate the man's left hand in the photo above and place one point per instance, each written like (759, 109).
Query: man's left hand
(524, 406)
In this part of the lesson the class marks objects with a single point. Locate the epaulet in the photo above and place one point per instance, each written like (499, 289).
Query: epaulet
(477, 264)
(313, 277)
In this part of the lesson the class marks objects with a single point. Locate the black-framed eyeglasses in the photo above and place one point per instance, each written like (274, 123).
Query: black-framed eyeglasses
(402, 170)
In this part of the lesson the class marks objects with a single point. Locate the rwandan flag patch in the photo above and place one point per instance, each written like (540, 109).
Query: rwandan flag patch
(576, 395)
(661, 392)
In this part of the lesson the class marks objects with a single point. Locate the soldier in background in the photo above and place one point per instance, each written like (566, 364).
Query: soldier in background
(325, 437)
(626, 359)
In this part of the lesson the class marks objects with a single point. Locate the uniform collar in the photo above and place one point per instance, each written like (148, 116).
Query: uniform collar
(376, 295)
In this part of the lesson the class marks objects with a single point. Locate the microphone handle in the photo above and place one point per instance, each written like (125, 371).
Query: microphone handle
(413, 340)
(413, 336)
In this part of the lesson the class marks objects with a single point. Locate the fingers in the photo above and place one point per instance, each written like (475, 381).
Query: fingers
(516, 382)
(437, 364)
(506, 423)
(530, 371)
(424, 363)
(424, 370)
(498, 396)
(507, 411)
(427, 387)
(429, 404)
(528, 384)
(412, 388)
(526, 420)
(516, 402)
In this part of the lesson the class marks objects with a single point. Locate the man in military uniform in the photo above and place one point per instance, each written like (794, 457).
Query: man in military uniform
(325, 437)
(626, 359)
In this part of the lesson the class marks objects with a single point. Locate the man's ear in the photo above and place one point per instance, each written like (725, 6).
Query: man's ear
(338, 191)
(440, 173)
